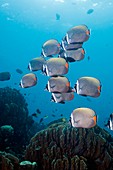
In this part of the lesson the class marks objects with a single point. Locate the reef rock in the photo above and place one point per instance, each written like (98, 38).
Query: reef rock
(8, 161)
(15, 121)
(27, 165)
(63, 147)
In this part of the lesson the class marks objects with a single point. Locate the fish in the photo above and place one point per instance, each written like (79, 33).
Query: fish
(59, 84)
(57, 16)
(36, 64)
(50, 48)
(55, 67)
(83, 118)
(88, 86)
(90, 11)
(62, 97)
(38, 111)
(28, 80)
(4, 76)
(109, 124)
(41, 120)
(88, 58)
(35, 114)
(19, 71)
(46, 116)
(78, 34)
(73, 46)
(53, 115)
(74, 55)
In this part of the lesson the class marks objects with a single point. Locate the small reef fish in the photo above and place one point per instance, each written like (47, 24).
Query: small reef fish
(110, 122)
(55, 67)
(4, 76)
(41, 120)
(88, 86)
(57, 16)
(88, 58)
(50, 47)
(36, 64)
(78, 34)
(53, 115)
(90, 11)
(58, 84)
(38, 111)
(35, 115)
(74, 55)
(83, 117)
(62, 97)
(28, 80)
(46, 116)
(19, 71)
(73, 46)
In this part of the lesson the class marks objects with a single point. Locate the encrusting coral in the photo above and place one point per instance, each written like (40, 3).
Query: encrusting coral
(16, 126)
(62, 147)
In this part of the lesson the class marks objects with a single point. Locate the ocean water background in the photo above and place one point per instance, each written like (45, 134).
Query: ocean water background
(26, 24)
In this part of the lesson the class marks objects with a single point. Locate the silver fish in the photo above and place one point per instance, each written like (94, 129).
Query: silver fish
(74, 55)
(50, 47)
(83, 117)
(55, 67)
(28, 80)
(110, 122)
(78, 34)
(88, 86)
(36, 64)
(58, 84)
(62, 97)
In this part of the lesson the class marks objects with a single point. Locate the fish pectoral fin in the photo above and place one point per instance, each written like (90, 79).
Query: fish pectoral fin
(53, 86)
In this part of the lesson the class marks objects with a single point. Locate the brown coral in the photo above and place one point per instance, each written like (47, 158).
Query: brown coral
(8, 161)
(66, 148)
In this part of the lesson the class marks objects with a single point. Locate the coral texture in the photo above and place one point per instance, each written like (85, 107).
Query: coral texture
(65, 148)
(11, 162)
(16, 126)
(8, 161)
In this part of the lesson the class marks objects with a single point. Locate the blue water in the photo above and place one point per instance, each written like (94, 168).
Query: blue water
(25, 25)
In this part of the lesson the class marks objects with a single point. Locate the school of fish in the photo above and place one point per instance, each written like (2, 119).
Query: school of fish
(54, 62)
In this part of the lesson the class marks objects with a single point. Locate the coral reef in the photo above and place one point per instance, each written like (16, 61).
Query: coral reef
(27, 165)
(8, 161)
(16, 126)
(59, 146)
(14, 112)
(65, 147)
(11, 162)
